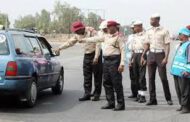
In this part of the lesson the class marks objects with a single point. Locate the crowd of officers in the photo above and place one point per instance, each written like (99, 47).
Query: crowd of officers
(106, 53)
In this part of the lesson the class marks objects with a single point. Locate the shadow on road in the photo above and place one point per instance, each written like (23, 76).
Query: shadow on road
(46, 103)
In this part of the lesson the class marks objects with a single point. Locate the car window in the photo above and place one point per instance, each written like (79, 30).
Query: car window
(35, 45)
(44, 48)
(3, 45)
(22, 45)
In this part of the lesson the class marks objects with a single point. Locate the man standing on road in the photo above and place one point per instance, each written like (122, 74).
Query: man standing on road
(139, 68)
(180, 69)
(92, 63)
(128, 51)
(158, 42)
(114, 60)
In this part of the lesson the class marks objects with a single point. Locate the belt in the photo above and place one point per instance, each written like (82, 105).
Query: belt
(89, 54)
(112, 57)
(138, 51)
(156, 50)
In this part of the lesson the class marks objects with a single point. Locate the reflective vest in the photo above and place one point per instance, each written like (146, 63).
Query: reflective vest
(180, 62)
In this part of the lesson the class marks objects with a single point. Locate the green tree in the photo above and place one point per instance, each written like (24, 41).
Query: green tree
(59, 20)
(65, 15)
(26, 22)
(43, 21)
(4, 20)
(93, 20)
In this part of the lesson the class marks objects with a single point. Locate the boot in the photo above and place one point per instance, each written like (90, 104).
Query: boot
(142, 99)
(108, 106)
(152, 102)
(85, 98)
(185, 110)
(138, 98)
(96, 98)
(119, 107)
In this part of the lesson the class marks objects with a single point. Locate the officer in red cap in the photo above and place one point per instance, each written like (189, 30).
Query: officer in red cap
(114, 60)
(92, 63)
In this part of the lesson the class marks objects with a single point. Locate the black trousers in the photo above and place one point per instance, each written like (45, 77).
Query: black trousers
(112, 80)
(139, 72)
(134, 88)
(182, 86)
(154, 60)
(89, 70)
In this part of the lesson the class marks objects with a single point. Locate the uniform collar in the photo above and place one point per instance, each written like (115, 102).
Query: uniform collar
(157, 28)
(115, 34)
(140, 33)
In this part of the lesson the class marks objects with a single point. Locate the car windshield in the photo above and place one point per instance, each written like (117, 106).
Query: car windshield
(3, 45)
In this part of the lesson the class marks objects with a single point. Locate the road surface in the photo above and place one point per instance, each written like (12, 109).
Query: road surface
(67, 108)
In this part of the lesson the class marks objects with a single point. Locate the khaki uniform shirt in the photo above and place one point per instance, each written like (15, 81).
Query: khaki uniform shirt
(157, 37)
(88, 47)
(113, 45)
(138, 41)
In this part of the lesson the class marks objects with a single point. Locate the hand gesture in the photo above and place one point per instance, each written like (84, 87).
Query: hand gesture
(143, 61)
(121, 68)
(95, 61)
(164, 61)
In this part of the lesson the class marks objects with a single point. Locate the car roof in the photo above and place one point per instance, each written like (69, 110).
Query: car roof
(20, 31)
(27, 33)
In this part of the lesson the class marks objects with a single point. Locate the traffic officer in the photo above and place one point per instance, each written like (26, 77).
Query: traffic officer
(114, 60)
(92, 63)
(128, 50)
(139, 69)
(180, 69)
(158, 43)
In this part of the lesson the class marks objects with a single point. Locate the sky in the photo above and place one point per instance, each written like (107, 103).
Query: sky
(174, 13)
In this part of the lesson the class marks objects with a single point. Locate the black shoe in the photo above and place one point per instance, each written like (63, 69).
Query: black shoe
(170, 102)
(142, 99)
(132, 96)
(108, 106)
(85, 98)
(137, 98)
(119, 107)
(153, 102)
(95, 98)
(185, 110)
(179, 109)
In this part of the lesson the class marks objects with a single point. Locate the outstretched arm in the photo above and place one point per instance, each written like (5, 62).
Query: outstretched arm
(71, 42)
(94, 39)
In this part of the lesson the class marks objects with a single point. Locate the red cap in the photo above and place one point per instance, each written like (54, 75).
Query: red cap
(188, 27)
(112, 23)
(77, 26)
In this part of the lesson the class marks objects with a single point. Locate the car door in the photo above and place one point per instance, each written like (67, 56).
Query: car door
(54, 68)
(41, 62)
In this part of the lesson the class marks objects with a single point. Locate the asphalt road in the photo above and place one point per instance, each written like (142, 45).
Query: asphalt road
(67, 108)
